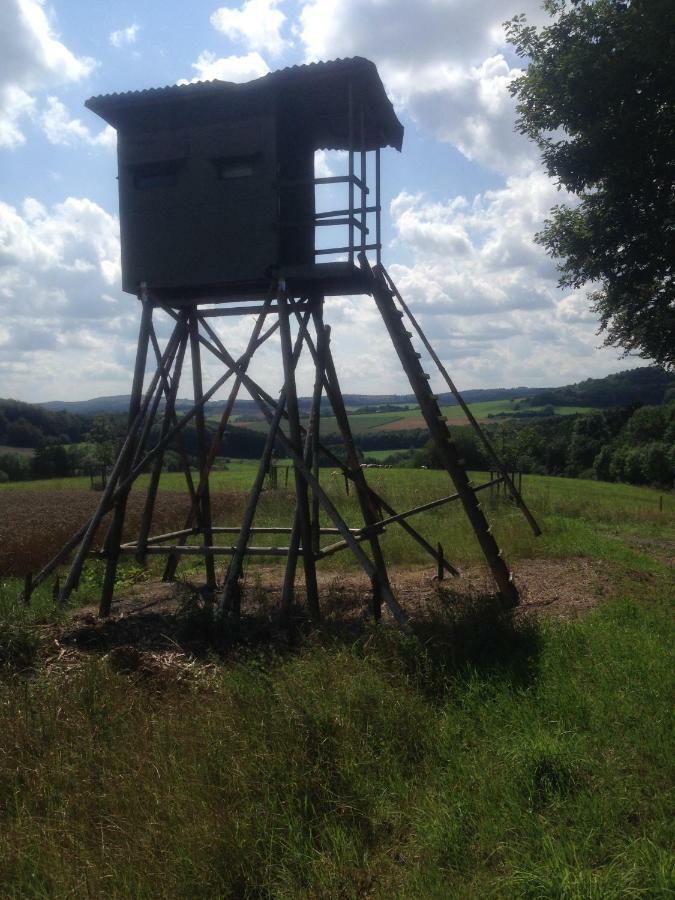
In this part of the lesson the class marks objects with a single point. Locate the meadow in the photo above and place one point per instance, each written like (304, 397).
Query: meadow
(485, 755)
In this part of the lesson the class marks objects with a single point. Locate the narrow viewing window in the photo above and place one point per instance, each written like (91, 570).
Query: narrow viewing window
(159, 174)
(235, 166)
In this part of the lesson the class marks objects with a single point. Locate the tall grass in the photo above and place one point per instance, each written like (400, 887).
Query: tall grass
(496, 760)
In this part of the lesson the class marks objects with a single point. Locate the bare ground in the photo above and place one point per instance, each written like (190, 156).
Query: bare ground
(150, 632)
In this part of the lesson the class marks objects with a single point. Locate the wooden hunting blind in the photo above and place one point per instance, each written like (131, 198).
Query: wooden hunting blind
(217, 204)
(217, 183)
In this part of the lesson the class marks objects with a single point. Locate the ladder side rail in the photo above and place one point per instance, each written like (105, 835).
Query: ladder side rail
(487, 443)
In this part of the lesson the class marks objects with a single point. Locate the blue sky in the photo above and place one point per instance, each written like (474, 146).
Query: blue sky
(461, 202)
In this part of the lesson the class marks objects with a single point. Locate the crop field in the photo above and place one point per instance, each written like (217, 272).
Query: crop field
(403, 421)
(485, 755)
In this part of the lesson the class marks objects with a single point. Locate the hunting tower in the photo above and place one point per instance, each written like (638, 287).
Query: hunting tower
(220, 216)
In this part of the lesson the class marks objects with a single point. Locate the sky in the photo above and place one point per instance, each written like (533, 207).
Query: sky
(462, 202)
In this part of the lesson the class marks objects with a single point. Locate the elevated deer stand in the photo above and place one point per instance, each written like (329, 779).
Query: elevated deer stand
(187, 155)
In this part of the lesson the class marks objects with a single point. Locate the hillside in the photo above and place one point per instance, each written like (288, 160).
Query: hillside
(647, 385)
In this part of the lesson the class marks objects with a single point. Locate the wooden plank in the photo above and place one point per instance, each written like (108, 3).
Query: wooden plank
(206, 551)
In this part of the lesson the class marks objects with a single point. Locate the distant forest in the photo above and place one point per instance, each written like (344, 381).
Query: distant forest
(629, 437)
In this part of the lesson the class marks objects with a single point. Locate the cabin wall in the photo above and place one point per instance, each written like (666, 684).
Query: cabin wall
(199, 205)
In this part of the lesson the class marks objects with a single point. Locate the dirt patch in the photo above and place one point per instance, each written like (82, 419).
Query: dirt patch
(156, 628)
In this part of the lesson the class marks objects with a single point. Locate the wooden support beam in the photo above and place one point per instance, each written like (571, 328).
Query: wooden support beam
(172, 562)
(304, 527)
(487, 443)
(378, 500)
(380, 583)
(229, 602)
(204, 499)
(151, 496)
(114, 537)
(207, 551)
(258, 394)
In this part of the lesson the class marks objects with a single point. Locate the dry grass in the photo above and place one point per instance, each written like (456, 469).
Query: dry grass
(34, 525)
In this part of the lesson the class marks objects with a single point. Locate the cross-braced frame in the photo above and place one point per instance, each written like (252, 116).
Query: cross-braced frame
(154, 426)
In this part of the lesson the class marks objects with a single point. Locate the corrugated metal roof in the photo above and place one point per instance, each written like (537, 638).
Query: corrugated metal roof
(326, 67)
(111, 107)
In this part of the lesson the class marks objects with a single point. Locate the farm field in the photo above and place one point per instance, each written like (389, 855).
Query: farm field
(581, 516)
(403, 421)
(484, 756)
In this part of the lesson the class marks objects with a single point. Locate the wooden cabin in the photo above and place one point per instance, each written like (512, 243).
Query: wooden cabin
(217, 186)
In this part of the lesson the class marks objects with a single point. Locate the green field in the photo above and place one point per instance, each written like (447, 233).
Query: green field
(369, 422)
(581, 517)
(485, 757)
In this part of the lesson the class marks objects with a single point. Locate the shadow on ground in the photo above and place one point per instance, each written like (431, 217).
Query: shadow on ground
(453, 633)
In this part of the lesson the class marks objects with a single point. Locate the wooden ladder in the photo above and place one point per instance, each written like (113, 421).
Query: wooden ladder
(439, 431)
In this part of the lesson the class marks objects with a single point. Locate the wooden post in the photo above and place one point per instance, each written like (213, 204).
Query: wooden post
(204, 500)
(440, 574)
(114, 537)
(301, 493)
(158, 461)
(314, 430)
(377, 499)
(266, 404)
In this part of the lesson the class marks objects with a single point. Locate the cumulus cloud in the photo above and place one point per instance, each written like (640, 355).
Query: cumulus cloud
(123, 37)
(60, 129)
(487, 294)
(33, 59)
(444, 62)
(65, 319)
(257, 24)
(227, 68)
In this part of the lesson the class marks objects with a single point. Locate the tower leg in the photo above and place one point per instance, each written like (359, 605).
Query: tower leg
(171, 391)
(301, 493)
(114, 536)
(204, 499)
(380, 579)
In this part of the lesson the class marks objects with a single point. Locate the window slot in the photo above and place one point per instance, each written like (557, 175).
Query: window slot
(156, 174)
(236, 166)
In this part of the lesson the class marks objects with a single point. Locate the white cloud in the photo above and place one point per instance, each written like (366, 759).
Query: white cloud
(257, 24)
(444, 61)
(59, 271)
(228, 68)
(33, 59)
(60, 129)
(124, 36)
(487, 295)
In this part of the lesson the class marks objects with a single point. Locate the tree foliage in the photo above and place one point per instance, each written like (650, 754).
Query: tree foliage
(598, 98)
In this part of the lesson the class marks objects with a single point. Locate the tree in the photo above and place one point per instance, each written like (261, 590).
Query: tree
(598, 98)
